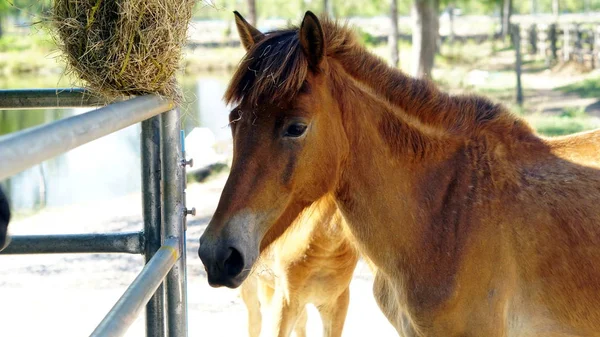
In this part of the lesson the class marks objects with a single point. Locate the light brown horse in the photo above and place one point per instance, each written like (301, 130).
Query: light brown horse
(312, 262)
(476, 225)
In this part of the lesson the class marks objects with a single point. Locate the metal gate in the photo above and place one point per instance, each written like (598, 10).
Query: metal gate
(162, 241)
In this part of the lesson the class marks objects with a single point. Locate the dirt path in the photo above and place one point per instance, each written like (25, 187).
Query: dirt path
(68, 295)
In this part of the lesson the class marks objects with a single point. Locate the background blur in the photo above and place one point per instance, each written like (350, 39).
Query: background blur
(465, 46)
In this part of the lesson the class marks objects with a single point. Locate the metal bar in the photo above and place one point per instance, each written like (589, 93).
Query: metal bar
(132, 243)
(127, 308)
(16, 99)
(155, 309)
(172, 172)
(26, 148)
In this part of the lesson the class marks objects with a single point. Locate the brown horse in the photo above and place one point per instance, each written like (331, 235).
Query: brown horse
(476, 225)
(312, 262)
(4, 220)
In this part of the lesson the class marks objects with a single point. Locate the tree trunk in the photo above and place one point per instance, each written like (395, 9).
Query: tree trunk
(252, 12)
(394, 34)
(502, 28)
(424, 37)
(435, 25)
(451, 22)
(328, 7)
(516, 33)
(507, 10)
(533, 7)
(555, 8)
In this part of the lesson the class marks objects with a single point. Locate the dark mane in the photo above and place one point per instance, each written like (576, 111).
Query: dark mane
(274, 70)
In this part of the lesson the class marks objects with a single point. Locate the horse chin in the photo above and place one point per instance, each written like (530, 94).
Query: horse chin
(221, 279)
(231, 283)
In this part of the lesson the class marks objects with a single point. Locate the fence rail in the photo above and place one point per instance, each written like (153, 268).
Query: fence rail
(131, 243)
(162, 161)
(42, 98)
(127, 308)
(26, 148)
(563, 42)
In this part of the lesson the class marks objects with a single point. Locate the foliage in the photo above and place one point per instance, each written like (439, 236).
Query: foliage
(25, 8)
(366, 38)
(588, 88)
(294, 9)
(36, 40)
(573, 112)
(562, 125)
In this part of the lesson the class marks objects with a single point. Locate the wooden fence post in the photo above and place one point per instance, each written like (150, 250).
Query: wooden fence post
(566, 43)
(516, 34)
(578, 45)
(596, 53)
(533, 36)
(552, 36)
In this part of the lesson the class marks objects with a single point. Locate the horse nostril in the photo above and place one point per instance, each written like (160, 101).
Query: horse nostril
(234, 263)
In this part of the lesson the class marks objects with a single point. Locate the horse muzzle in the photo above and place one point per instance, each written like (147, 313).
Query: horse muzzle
(226, 264)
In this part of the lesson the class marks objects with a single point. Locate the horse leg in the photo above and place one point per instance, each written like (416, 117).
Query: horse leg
(286, 312)
(333, 315)
(300, 328)
(249, 291)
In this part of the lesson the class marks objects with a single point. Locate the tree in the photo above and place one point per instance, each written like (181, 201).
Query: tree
(555, 8)
(328, 7)
(252, 12)
(424, 37)
(394, 34)
(451, 7)
(506, 13)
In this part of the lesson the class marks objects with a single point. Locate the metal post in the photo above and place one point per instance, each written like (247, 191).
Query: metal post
(151, 204)
(173, 225)
(127, 308)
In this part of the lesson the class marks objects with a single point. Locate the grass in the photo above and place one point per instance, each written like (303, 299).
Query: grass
(589, 88)
(562, 125)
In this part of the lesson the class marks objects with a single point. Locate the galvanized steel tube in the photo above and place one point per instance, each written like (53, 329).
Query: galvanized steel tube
(132, 243)
(127, 308)
(151, 205)
(16, 99)
(173, 225)
(26, 148)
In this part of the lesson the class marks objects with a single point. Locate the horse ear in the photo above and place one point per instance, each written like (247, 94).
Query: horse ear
(312, 39)
(248, 34)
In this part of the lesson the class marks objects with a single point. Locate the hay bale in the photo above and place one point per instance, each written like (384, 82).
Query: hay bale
(123, 47)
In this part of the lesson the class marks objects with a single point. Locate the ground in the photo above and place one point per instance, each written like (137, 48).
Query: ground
(68, 295)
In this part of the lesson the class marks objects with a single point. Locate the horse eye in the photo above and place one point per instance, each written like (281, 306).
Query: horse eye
(295, 130)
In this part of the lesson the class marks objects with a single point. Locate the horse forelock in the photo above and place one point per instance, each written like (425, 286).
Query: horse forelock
(273, 70)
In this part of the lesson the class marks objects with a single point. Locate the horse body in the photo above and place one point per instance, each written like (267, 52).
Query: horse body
(4, 220)
(312, 263)
(476, 226)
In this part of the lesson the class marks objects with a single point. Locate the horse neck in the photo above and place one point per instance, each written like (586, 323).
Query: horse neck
(391, 154)
(419, 98)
